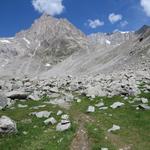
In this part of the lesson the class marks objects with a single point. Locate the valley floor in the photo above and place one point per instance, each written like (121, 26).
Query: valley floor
(89, 131)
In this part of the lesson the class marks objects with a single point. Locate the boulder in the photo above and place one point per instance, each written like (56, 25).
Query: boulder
(116, 105)
(100, 104)
(54, 90)
(114, 128)
(42, 114)
(51, 120)
(144, 100)
(17, 95)
(7, 125)
(65, 117)
(59, 113)
(144, 106)
(63, 125)
(91, 109)
(3, 101)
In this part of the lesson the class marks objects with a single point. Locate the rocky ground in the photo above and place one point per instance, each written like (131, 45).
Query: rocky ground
(99, 112)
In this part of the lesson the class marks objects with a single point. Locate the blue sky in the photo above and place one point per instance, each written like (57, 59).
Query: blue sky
(88, 15)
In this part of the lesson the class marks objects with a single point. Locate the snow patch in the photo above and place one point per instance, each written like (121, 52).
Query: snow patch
(5, 41)
(26, 40)
(108, 42)
(48, 65)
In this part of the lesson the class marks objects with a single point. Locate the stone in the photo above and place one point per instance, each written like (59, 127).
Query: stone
(78, 100)
(144, 100)
(144, 106)
(25, 133)
(54, 90)
(114, 128)
(51, 120)
(91, 109)
(104, 148)
(22, 106)
(95, 91)
(63, 126)
(34, 97)
(65, 117)
(27, 84)
(7, 125)
(59, 113)
(100, 104)
(103, 108)
(42, 114)
(3, 101)
(17, 95)
(37, 107)
(116, 105)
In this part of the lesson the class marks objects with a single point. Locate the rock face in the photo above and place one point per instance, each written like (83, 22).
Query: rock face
(110, 39)
(7, 125)
(3, 101)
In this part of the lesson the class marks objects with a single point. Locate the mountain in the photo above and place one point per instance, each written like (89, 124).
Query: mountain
(110, 39)
(132, 53)
(54, 47)
(48, 42)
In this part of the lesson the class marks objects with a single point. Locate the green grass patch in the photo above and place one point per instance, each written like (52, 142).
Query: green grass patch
(39, 136)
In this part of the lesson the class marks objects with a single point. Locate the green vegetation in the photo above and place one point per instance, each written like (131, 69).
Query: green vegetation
(39, 136)
(135, 124)
(134, 132)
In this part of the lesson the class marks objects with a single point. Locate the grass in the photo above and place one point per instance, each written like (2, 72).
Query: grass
(134, 132)
(135, 124)
(39, 136)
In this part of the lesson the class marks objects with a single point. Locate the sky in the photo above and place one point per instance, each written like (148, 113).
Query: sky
(90, 16)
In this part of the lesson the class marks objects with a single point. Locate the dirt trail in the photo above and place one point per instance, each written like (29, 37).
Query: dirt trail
(81, 140)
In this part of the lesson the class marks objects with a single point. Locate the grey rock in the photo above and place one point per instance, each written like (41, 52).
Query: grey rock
(42, 114)
(100, 104)
(7, 125)
(59, 113)
(51, 120)
(3, 101)
(144, 106)
(103, 108)
(114, 128)
(117, 105)
(91, 109)
(63, 126)
(22, 106)
(144, 100)
(17, 95)
(65, 117)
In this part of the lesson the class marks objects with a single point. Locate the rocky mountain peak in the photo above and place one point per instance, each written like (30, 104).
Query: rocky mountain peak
(143, 29)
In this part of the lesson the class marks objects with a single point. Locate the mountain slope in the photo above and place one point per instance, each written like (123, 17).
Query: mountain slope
(54, 47)
(48, 42)
(131, 54)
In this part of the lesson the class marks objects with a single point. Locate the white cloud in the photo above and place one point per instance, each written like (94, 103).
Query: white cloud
(124, 23)
(114, 17)
(146, 5)
(50, 7)
(95, 23)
